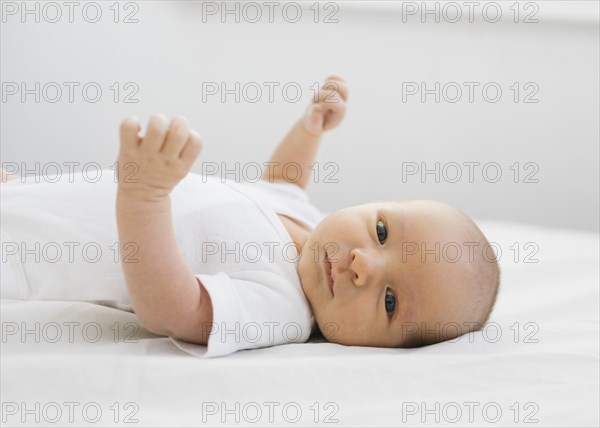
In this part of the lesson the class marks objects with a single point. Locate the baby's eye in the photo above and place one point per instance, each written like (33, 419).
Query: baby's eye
(390, 302)
(381, 231)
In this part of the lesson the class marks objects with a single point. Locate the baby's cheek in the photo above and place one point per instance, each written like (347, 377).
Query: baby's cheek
(345, 316)
(330, 330)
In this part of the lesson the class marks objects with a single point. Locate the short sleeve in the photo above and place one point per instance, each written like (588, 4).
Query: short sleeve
(289, 190)
(252, 309)
(290, 199)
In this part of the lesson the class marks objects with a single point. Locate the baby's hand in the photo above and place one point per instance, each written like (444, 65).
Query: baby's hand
(328, 106)
(150, 167)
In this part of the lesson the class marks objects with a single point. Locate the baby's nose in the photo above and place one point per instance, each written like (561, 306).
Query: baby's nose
(364, 267)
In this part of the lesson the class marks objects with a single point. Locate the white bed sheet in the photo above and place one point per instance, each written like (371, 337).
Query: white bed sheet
(550, 373)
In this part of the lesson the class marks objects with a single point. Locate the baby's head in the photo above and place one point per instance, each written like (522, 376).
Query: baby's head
(404, 274)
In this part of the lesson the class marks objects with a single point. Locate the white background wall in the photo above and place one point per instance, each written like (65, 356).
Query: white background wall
(170, 52)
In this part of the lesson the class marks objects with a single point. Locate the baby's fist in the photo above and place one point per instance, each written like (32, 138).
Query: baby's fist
(328, 106)
(151, 166)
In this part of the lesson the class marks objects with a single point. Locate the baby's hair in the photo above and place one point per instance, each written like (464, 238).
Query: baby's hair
(487, 273)
(492, 276)
(492, 304)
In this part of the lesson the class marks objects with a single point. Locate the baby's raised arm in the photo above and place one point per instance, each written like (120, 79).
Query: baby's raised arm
(301, 144)
(166, 296)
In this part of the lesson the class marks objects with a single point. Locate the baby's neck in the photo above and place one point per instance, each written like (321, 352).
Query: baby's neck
(298, 232)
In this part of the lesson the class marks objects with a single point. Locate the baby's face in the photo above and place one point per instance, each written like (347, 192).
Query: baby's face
(384, 271)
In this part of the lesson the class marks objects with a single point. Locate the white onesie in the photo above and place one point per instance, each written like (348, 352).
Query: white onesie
(60, 242)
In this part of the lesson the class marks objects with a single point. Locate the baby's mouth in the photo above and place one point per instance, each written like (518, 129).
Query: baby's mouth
(327, 270)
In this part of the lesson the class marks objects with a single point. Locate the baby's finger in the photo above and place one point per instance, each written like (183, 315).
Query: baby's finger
(129, 132)
(327, 96)
(156, 133)
(192, 148)
(177, 136)
(335, 77)
(338, 85)
(313, 118)
(334, 114)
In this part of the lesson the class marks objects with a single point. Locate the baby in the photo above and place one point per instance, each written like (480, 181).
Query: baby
(390, 273)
